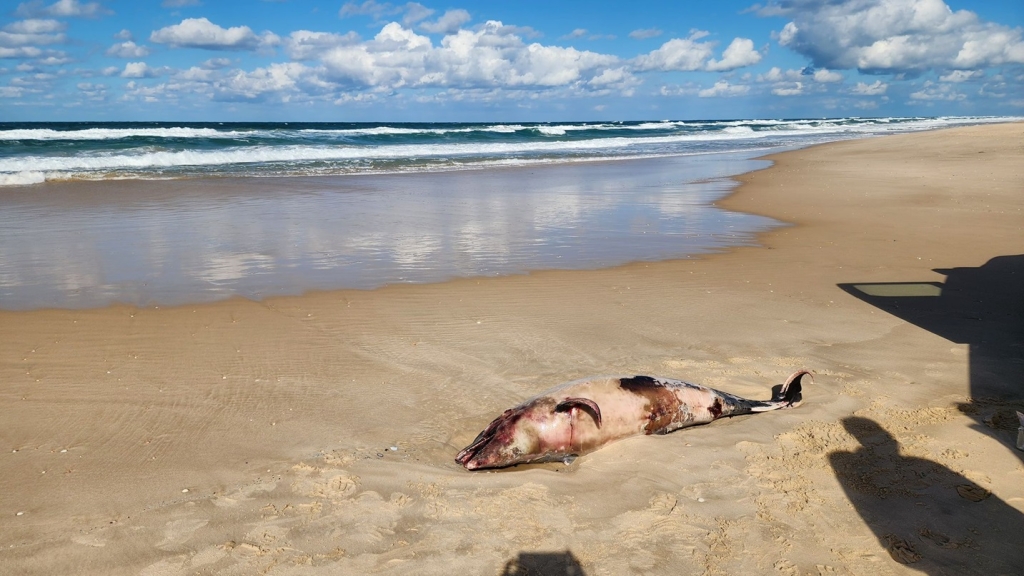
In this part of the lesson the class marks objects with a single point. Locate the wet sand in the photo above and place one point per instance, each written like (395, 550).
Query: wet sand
(245, 437)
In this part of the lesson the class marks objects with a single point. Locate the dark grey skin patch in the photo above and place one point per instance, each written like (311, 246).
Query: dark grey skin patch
(716, 408)
(662, 403)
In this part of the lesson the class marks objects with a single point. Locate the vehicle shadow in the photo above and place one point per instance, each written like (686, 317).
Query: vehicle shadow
(926, 515)
(543, 564)
(982, 307)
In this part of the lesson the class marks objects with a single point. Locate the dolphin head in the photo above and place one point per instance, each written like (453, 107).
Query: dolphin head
(510, 439)
(539, 430)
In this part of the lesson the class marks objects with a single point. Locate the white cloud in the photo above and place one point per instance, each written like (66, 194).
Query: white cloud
(32, 32)
(492, 56)
(789, 89)
(826, 76)
(447, 24)
(577, 33)
(896, 35)
(776, 74)
(92, 91)
(306, 45)
(20, 52)
(201, 33)
(415, 12)
(874, 89)
(689, 89)
(124, 34)
(740, 53)
(723, 88)
(137, 70)
(179, 3)
(962, 75)
(216, 63)
(689, 54)
(128, 50)
(61, 9)
(369, 7)
(645, 33)
(931, 92)
(680, 54)
(276, 78)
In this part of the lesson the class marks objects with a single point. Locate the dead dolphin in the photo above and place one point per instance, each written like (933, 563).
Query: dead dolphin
(584, 415)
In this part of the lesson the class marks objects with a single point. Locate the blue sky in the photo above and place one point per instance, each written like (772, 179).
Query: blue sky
(367, 60)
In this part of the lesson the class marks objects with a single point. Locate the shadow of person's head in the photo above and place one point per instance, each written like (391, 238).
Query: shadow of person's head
(871, 435)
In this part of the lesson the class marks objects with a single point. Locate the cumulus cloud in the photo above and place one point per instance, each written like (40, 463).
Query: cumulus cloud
(128, 50)
(306, 45)
(740, 53)
(577, 33)
(276, 78)
(179, 3)
(894, 36)
(492, 56)
(931, 91)
(962, 75)
(137, 70)
(447, 24)
(789, 89)
(723, 88)
(60, 9)
(412, 12)
(689, 54)
(680, 54)
(876, 88)
(369, 7)
(201, 33)
(826, 76)
(776, 74)
(32, 32)
(645, 33)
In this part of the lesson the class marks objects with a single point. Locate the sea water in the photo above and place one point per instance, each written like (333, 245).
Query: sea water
(170, 213)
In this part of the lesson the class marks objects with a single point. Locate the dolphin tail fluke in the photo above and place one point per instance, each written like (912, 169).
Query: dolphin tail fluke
(788, 395)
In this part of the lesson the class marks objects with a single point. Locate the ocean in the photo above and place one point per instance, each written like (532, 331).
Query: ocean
(162, 213)
(36, 152)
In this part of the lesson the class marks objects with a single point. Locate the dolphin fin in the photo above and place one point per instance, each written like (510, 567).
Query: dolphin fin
(586, 403)
(786, 395)
(790, 392)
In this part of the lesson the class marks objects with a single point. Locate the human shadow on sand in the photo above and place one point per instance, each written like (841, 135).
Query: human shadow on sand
(544, 564)
(982, 307)
(926, 515)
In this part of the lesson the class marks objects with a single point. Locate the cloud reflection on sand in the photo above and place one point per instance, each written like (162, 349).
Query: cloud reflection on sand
(84, 244)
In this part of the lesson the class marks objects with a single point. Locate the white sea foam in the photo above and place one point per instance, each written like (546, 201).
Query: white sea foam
(325, 155)
(117, 133)
(22, 178)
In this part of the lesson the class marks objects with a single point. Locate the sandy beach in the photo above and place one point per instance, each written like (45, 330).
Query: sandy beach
(315, 434)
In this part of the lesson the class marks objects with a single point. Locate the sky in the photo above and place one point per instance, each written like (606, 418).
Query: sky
(523, 60)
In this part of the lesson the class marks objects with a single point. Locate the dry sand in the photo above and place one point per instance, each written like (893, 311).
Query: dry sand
(254, 437)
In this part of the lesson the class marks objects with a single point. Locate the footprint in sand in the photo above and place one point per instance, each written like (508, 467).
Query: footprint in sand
(901, 550)
(334, 486)
(177, 532)
(972, 492)
(93, 540)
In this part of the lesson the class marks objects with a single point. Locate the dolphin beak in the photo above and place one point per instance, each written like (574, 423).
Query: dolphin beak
(471, 456)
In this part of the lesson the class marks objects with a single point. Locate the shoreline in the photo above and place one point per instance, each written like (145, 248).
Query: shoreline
(84, 245)
(272, 414)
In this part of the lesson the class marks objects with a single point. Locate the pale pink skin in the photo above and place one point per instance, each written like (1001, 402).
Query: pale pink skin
(584, 415)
